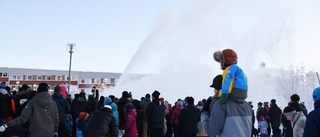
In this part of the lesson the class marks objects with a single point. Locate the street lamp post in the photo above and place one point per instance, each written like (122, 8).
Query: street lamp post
(71, 47)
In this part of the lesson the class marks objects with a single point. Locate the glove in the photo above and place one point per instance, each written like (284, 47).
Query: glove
(206, 105)
(55, 134)
(3, 127)
(22, 101)
(224, 98)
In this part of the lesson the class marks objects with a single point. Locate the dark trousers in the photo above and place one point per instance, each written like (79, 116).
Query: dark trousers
(275, 131)
(62, 130)
(189, 134)
(177, 132)
(156, 132)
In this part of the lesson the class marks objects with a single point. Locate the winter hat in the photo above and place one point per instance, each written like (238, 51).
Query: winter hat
(83, 115)
(273, 101)
(112, 97)
(3, 84)
(82, 94)
(179, 103)
(125, 94)
(199, 103)
(316, 94)
(107, 101)
(259, 103)
(162, 99)
(147, 96)
(129, 106)
(295, 97)
(289, 111)
(217, 82)
(265, 103)
(25, 87)
(57, 89)
(190, 101)
(262, 118)
(156, 94)
(226, 58)
(43, 87)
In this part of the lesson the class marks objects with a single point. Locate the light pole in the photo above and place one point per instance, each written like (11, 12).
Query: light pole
(71, 47)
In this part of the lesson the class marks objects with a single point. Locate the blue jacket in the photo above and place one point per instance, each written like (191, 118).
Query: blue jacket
(312, 126)
(233, 77)
(115, 111)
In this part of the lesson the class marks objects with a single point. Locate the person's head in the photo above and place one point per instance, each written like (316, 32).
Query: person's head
(289, 112)
(101, 99)
(266, 104)
(199, 103)
(112, 97)
(316, 94)
(147, 96)
(217, 83)
(190, 101)
(56, 89)
(43, 87)
(125, 94)
(259, 104)
(295, 98)
(82, 94)
(107, 101)
(273, 101)
(155, 94)
(8, 89)
(3, 85)
(128, 106)
(261, 118)
(179, 103)
(24, 87)
(226, 57)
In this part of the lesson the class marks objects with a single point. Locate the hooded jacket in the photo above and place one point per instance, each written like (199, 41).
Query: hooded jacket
(64, 91)
(43, 115)
(232, 119)
(175, 115)
(115, 112)
(298, 124)
(5, 103)
(155, 114)
(131, 125)
(312, 126)
(101, 123)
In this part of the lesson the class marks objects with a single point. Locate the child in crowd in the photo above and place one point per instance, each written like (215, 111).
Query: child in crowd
(234, 81)
(263, 127)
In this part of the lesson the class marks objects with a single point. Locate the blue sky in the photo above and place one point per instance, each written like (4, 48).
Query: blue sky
(34, 33)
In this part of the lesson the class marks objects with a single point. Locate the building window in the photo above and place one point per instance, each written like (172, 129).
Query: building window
(53, 77)
(82, 81)
(5, 74)
(34, 77)
(63, 77)
(39, 77)
(93, 81)
(112, 80)
(87, 81)
(58, 77)
(14, 77)
(29, 77)
(0, 74)
(74, 78)
(48, 78)
(19, 78)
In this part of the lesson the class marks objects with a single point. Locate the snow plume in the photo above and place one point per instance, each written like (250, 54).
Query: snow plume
(176, 57)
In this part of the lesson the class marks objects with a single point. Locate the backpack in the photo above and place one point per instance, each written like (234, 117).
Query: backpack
(69, 125)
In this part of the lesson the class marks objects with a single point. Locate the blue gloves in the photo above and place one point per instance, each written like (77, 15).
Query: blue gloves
(206, 105)
(224, 98)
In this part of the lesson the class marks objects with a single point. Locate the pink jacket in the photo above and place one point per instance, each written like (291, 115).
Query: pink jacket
(175, 115)
(130, 126)
(64, 91)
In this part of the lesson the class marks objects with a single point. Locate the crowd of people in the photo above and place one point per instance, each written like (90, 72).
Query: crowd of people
(224, 114)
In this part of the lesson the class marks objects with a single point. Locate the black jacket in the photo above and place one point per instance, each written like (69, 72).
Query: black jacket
(5, 103)
(155, 114)
(101, 123)
(189, 118)
(122, 102)
(78, 106)
(275, 114)
(261, 112)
